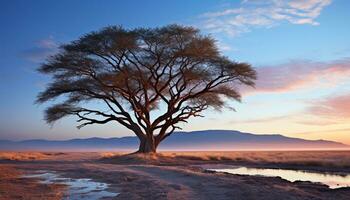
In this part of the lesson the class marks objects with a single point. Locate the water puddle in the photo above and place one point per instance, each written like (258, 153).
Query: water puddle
(333, 181)
(78, 189)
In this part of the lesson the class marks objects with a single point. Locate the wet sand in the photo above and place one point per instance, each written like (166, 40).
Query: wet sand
(172, 175)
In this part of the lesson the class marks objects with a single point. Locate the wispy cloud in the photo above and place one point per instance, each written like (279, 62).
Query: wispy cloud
(297, 75)
(317, 122)
(224, 47)
(263, 13)
(325, 131)
(332, 107)
(42, 49)
(306, 117)
(261, 120)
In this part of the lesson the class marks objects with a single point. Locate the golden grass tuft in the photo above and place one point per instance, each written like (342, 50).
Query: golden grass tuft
(23, 156)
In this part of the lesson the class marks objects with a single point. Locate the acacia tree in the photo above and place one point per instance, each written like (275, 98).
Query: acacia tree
(149, 80)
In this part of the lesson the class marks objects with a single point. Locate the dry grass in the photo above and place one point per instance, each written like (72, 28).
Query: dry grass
(23, 156)
(305, 158)
(50, 156)
(326, 158)
(302, 158)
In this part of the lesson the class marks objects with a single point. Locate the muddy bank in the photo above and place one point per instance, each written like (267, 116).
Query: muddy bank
(14, 186)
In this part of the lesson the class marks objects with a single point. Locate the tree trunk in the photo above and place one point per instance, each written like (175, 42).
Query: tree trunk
(147, 145)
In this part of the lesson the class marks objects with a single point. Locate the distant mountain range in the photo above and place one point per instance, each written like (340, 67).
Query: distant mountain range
(183, 141)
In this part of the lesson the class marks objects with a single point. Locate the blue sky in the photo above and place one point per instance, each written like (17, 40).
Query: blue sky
(300, 49)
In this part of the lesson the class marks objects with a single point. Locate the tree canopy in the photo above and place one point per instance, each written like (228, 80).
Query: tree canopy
(150, 79)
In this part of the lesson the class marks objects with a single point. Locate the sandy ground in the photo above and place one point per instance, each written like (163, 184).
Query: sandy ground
(172, 175)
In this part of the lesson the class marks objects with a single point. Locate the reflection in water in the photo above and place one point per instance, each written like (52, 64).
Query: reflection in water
(78, 189)
(333, 181)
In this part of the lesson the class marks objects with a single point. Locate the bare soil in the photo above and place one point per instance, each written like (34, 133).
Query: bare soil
(172, 175)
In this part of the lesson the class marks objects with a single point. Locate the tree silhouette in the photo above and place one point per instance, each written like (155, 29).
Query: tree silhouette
(148, 79)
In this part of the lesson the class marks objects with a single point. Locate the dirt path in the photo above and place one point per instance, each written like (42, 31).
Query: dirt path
(175, 182)
(181, 183)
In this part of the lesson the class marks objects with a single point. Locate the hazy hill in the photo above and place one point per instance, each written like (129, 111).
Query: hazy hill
(196, 140)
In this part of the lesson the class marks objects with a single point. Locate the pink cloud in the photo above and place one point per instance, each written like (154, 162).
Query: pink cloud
(300, 75)
(332, 107)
